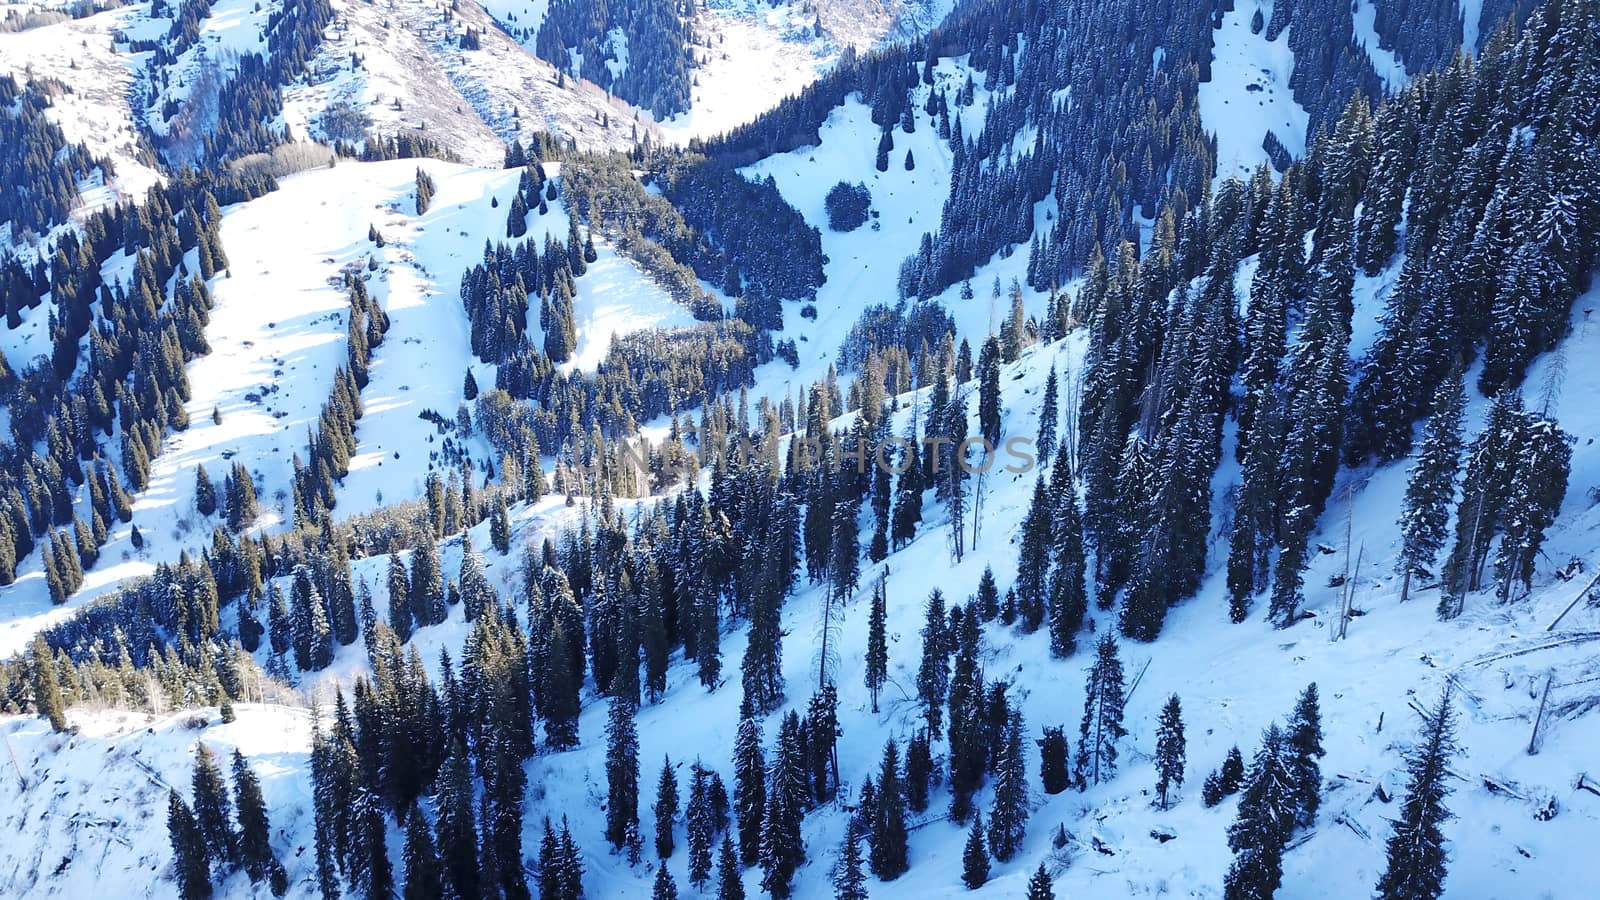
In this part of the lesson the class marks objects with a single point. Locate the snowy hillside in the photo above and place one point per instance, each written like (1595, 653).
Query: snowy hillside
(271, 363)
(415, 77)
(434, 434)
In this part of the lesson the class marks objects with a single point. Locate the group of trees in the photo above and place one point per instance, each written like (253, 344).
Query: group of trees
(651, 70)
(1281, 793)
(39, 158)
(204, 837)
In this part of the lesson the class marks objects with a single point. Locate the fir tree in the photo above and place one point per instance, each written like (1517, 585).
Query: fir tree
(456, 831)
(1102, 716)
(887, 838)
(730, 883)
(46, 689)
(749, 788)
(1008, 822)
(919, 771)
(849, 881)
(665, 888)
(1169, 749)
(255, 831)
(190, 856)
(666, 808)
(213, 810)
(622, 772)
(1053, 769)
(1039, 885)
(782, 847)
(423, 878)
(1417, 856)
(933, 676)
(1304, 746)
(975, 858)
(1431, 485)
(1048, 410)
(1266, 819)
(700, 823)
(877, 661)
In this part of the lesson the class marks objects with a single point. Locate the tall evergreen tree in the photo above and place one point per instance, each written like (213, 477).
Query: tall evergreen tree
(1304, 745)
(975, 857)
(213, 810)
(1265, 821)
(877, 661)
(849, 881)
(666, 808)
(423, 878)
(1417, 855)
(622, 773)
(1432, 485)
(1008, 822)
(1039, 885)
(1102, 716)
(749, 788)
(255, 831)
(933, 676)
(1169, 749)
(191, 857)
(886, 838)
(782, 846)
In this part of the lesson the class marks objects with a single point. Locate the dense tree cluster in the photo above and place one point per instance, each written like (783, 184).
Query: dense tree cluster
(38, 157)
(649, 67)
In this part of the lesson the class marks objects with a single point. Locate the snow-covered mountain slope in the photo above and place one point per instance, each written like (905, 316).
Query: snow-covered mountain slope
(1234, 680)
(94, 108)
(279, 331)
(413, 76)
(753, 54)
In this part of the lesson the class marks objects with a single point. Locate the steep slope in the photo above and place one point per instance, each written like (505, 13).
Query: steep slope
(405, 68)
(271, 365)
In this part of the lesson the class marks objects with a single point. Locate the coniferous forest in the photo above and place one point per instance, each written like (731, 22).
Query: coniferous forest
(719, 603)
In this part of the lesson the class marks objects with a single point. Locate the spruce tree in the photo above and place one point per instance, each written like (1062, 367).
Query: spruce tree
(1416, 855)
(933, 676)
(749, 788)
(191, 858)
(1053, 769)
(213, 810)
(456, 831)
(666, 808)
(665, 888)
(919, 771)
(1033, 561)
(622, 772)
(1008, 822)
(1169, 749)
(1039, 885)
(423, 878)
(46, 688)
(1265, 821)
(887, 840)
(849, 881)
(255, 831)
(1102, 716)
(1304, 745)
(730, 883)
(877, 661)
(975, 858)
(1048, 410)
(701, 826)
(782, 846)
(1431, 486)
